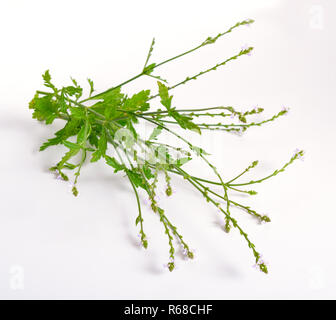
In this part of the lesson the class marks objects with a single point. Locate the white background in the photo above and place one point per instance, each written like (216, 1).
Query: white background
(55, 246)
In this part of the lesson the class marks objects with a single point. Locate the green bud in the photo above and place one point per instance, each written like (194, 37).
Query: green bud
(145, 244)
(64, 177)
(171, 266)
(154, 207)
(75, 191)
(227, 228)
(254, 163)
(266, 219)
(242, 118)
(190, 255)
(169, 191)
(263, 268)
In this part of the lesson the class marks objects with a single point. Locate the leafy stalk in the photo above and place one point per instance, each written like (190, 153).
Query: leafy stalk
(110, 124)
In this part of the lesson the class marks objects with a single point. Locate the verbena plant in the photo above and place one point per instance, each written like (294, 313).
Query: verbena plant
(107, 121)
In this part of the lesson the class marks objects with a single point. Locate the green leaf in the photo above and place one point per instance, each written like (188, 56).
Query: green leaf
(147, 172)
(180, 162)
(51, 142)
(198, 150)
(112, 97)
(61, 103)
(109, 112)
(74, 82)
(155, 133)
(76, 91)
(84, 133)
(102, 147)
(46, 76)
(71, 145)
(71, 90)
(94, 135)
(69, 130)
(111, 100)
(47, 81)
(137, 220)
(114, 163)
(165, 98)
(102, 144)
(91, 86)
(137, 179)
(149, 69)
(184, 121)
(45, 109)
(70, 166)
(137, 102)
(74, 149)
(96, 156)
(77, 112)
(242, 118)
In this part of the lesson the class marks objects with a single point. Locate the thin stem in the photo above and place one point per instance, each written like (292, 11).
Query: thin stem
(254, 163)
(185, 110)
(96, 96)
(149, 52)
(139, 218)
(206, 42)
(234, 222)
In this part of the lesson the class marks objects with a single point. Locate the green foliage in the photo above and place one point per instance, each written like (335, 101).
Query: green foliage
(45, 108)
(109, 103)
(47, 80)
(101, 148)
(149, 69)
(181, 161)
(156, 132)
(183, 120)
(114, 163)
(92, 129)
(91, 86)
(138, 102)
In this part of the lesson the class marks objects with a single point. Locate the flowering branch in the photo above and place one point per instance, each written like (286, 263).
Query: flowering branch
(111, 120)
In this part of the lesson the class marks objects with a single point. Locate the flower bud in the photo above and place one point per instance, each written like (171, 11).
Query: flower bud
(263, 268)
(190, 255)
(171, 266)
(265, 218)
(145, 244)
(169, 191)
(75, 191)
